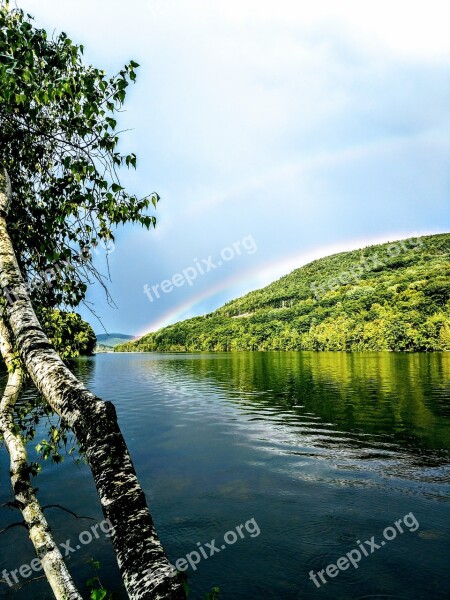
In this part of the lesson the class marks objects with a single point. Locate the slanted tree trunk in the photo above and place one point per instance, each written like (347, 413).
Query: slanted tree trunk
(46, 549)
(143, 564)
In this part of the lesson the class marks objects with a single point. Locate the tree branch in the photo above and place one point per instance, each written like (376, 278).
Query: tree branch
(67, 511)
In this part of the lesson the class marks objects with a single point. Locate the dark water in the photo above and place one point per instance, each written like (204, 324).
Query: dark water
(320, 451)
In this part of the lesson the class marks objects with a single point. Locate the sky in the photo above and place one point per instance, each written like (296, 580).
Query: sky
(275, 132)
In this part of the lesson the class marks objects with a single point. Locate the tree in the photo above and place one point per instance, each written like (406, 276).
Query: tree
(67, 332)
(59, 145)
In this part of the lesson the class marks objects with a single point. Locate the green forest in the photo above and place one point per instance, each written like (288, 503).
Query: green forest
(392, 296)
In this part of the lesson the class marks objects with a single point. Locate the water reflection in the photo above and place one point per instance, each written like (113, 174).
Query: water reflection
(322, 449)
(388, 409)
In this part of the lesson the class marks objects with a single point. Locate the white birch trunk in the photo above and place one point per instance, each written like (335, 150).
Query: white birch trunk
(143, 564)
(40, 535)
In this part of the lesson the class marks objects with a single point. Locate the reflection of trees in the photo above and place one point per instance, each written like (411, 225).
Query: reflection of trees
(85, 368)
(403, 397)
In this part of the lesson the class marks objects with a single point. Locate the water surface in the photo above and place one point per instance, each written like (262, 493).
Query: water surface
(320, 449)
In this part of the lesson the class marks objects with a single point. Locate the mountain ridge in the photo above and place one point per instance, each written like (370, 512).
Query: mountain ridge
(107, 341)
(391, 296)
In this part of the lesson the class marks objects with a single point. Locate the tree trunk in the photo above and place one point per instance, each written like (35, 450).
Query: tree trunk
(46, 549)
(143, 564)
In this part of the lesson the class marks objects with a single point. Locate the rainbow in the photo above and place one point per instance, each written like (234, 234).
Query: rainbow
(263, 275)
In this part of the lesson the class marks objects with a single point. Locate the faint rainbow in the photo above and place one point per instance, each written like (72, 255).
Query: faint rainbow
(263, 275)
(178, 312)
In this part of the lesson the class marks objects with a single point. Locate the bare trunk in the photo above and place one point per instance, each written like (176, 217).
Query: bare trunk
(46, 549)
(144, 566)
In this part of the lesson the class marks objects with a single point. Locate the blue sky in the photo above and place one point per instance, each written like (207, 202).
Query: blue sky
(307, 129)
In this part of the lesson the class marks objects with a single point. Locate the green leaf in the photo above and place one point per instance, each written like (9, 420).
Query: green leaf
(99, 594)
(60, 152)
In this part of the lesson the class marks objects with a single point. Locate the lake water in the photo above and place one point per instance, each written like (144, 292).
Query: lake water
(322, 451)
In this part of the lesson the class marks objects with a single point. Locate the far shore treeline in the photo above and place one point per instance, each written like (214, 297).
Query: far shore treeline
(392, 296)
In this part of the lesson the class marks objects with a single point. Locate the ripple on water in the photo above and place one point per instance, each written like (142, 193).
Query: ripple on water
(312, 445)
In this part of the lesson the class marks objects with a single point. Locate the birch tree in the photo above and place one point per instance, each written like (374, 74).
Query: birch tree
(60, 196)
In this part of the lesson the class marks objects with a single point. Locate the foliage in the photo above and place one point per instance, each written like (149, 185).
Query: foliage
(59, 144)
(213, 594)
(183, 578)
(71, 337)
(98, 592)
(69, 334)
(392, 296)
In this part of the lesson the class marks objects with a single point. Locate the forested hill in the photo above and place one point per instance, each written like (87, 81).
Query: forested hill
(107, 341)
(391, 296)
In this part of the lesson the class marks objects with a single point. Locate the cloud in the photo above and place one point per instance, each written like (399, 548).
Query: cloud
(402, 28)
(304, 124)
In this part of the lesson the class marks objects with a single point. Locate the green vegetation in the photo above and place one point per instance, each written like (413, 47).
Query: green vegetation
(391, 296)
(98, 592)
(107, 341)
(60, 143)
(69, 334)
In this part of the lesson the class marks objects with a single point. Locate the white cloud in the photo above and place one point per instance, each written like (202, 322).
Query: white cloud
(414, 29)
(304, 123)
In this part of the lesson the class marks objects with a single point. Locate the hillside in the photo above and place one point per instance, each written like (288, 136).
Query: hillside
(391, 296)
(107, 341)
